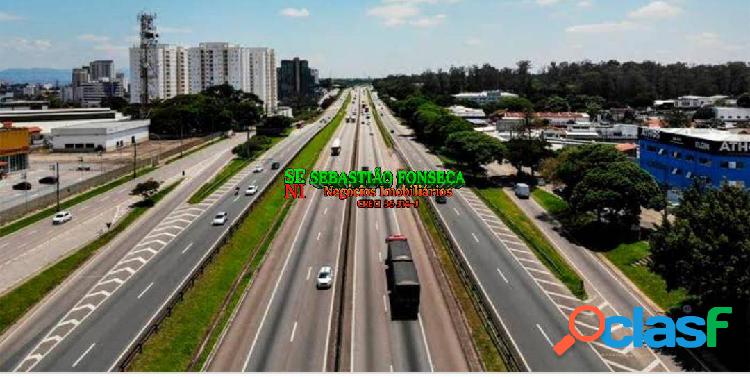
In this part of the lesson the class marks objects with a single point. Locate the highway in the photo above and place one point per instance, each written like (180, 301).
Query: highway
(26, 252)
(90, 324)
(527, 311)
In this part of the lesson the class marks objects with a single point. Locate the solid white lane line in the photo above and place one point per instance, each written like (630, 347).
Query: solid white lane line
(475, 237)
(385, 304)
(426, 347)
(318, 237)
(145, 290)
(186, 249)
(309, 271)
(294, 329)
(83, 355)
(456, 211)
(502, 275)
(544, 335)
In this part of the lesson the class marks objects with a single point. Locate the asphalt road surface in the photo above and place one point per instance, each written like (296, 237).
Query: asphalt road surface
(531, 318)
(93, 319)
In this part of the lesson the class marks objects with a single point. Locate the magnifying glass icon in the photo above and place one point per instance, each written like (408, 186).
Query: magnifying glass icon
(569, 339)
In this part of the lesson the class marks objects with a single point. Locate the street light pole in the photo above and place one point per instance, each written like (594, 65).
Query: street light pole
(135, 154)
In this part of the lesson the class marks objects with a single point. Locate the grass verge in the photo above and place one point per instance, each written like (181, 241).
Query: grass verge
(631, 259)
(550, 202)
(226, 173)
(48, 212)
(488, 353)
(180, 335)
(383, 132)
(520, 224)
(18, 301)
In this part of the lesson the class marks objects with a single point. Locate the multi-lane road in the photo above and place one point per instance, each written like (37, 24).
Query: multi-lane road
(93, 319)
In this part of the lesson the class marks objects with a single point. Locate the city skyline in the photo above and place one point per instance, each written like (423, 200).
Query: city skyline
(377, 38)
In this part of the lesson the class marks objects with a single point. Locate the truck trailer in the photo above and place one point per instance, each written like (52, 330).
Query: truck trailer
(336, 147)
(402, 279)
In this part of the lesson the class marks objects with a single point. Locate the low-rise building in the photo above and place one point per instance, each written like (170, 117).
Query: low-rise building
(678, 156)
(14, 148)
(466, 112)
(99, 136)
(694, 102)
(484, 97)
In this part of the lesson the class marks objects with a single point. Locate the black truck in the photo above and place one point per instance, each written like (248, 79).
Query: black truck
(402, 279)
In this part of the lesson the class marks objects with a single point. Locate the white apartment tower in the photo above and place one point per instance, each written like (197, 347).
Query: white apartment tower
(167, 76)
(251, 70)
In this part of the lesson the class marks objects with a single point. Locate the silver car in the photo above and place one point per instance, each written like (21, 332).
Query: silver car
(220, 219)
(325, 277)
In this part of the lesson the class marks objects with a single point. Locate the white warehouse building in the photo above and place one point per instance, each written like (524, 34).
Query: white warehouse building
(107, 136)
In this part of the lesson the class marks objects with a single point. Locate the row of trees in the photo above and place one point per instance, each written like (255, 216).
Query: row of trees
(578, 85)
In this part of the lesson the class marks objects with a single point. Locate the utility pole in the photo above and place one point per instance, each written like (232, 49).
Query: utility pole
(57, 184)
(135, 154)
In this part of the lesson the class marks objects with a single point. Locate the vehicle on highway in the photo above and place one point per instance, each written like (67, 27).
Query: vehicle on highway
(84, 168)
(336, 147)
(258, 168)
(61, 218)
(48, 180)
(275, 165)
(402, 279)
(365, 168)
(251, 190)
(325, 277)
(23, 186)
(220, 219)
(441, 199)
(522, 190)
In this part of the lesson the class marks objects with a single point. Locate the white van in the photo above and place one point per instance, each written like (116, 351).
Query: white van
(522, 190)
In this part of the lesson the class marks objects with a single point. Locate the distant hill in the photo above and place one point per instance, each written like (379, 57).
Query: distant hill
(35, 75)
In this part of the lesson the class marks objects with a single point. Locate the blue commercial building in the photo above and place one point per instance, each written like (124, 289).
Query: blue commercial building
(678, 156)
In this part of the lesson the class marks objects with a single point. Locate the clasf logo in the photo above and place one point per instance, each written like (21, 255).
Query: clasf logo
(662, 331)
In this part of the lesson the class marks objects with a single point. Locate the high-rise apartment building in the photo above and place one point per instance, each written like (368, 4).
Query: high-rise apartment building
(102, 70)
(263, 82)
(296, 81)
(167, 75)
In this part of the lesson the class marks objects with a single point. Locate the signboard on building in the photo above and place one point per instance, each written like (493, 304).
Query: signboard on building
(725, 147)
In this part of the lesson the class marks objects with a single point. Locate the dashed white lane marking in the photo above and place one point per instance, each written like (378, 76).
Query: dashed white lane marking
(318, 237)
(325, 211)
(385, 304)
(544, 335)
(86, 352)
(31, 232)
(309, 271)
(376, 225)
(456, 211)
(187, 248)
(475, 237)
(502, 276)
(145, 290)
(294, 329)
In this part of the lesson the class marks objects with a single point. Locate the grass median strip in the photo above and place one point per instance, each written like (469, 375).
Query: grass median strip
(48, 212)
(180, 335)
(488, 352)
(550, 202)
(230, 170)
(18, 301)
(376, 114)
(497, 200)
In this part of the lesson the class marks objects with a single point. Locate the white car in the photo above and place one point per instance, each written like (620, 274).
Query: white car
(325, 277)
(220, 219)
(61, 217)
(258, 169)
(251, 190)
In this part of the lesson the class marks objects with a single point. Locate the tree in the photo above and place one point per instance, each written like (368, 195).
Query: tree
(706, 249)
(251, 148)
(556, 104)
(515, 104)
(146, 190)
(473, 149)
(677, 119)
(744, 100)
(274, 125)
(574, 163)
(526, 153)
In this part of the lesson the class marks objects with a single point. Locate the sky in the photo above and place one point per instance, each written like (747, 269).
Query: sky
(373, 38)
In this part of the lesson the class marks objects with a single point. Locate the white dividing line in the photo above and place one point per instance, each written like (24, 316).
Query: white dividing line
(502, 276)
(318, 237)
(309, 271)
(456, 211)
(544, 335)
(236, 199)
(294, 329)
(325, 211)
(385, 304)
(187, 248)
(83, 355)
(426, 347)
(145, 290)
(376, 225)
(31, 232)
(475, 237)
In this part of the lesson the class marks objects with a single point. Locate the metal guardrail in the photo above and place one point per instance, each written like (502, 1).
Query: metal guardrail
(152, 327)
(492, 323)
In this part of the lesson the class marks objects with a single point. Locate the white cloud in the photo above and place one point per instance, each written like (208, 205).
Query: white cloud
(428, 21)
(24, 44)
(604, 27)
(92, 38)
(395, 14)
(656, 10)
(295, 12)
(473, 42)
(545, 3)
(712, 41)
(585, 4)
(4, 16)
(173, 30)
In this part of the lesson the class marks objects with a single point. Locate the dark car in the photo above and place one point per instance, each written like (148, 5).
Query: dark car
(365, 168)
(441, 199)
(22, 186)
(275, 165)
(49, 180)
(84, 168)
